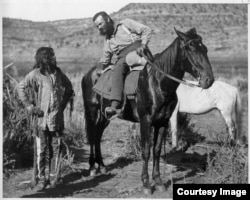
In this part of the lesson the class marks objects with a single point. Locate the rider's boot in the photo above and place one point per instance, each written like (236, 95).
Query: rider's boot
(113, 111)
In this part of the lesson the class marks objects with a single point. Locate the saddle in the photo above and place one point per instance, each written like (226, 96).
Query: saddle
(104, 84)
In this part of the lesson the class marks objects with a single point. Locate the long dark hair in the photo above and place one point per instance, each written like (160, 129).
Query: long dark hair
(42, 54)
(45, 60)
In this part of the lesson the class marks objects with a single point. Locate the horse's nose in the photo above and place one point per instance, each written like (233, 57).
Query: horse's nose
(208, 81)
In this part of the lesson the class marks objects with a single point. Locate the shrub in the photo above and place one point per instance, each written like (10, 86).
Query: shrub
(16, 130)
(228, 164)
(187, 136)
(225, 164)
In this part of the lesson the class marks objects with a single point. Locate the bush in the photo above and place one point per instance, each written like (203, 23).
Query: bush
(17, 135)
(187, 136)
(228, 164)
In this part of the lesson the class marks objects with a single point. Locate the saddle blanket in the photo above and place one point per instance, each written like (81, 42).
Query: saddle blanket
(104, 84)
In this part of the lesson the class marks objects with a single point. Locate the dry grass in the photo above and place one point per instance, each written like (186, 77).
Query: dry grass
(17, 129)
(228, 164)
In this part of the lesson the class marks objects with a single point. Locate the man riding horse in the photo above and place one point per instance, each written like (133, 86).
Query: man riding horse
(121, 38)
(155, 97)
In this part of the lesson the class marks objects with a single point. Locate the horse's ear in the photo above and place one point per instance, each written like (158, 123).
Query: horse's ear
(180, 34)
(193, 30)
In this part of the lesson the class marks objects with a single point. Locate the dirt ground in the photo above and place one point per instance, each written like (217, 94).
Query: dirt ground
(123, 179)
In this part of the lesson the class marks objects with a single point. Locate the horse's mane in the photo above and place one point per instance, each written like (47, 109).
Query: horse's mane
(167, 59)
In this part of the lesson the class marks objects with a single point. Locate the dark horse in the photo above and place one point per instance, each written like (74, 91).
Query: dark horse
(155, 101)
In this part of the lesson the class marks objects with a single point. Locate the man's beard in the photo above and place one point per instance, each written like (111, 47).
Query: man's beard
(107, 30)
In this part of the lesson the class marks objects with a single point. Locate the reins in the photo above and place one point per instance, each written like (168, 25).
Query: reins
(168, 75)
(153, 65)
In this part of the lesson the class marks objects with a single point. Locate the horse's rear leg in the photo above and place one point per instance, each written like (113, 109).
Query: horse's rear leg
(92, 170)
(95, 132)
(231, 126)
(91, 133)
(158, 138)
(98, 154)
(145, 128)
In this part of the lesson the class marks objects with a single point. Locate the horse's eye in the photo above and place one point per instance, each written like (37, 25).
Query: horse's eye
(192, 46)
(193, 43)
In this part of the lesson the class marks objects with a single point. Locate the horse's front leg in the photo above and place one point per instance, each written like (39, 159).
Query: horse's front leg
(158, 138)
(145, 127)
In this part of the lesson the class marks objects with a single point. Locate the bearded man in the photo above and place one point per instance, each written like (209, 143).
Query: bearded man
(51, 90)
(121, 38)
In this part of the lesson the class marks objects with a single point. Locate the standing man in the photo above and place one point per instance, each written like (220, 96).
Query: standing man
(51, 90)
(121, 38)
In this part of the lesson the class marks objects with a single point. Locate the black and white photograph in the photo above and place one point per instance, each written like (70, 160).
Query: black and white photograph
(124, 98)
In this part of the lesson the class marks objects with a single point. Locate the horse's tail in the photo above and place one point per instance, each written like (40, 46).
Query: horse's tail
(86, 86)
(83, 86)
(238, 116)
(71, 103)
(84, 96)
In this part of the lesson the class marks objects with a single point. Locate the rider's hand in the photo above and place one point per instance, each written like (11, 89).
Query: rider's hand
(98, 72)
(141, 49)
(38, 112)
(99, 68)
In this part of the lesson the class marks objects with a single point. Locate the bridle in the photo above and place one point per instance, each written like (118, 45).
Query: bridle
(170, 76)
(189, 57)
(192, 40)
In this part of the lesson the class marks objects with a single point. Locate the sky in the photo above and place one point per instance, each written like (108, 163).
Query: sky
(50, 10)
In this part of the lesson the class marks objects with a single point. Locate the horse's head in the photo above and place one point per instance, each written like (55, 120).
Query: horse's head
(194, 57)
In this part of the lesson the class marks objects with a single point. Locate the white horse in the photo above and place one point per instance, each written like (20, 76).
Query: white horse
(195, 100)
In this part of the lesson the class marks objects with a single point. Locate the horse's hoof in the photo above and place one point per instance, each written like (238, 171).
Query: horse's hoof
(147, 191)
(54, 183)
(160, 188)
(103, 170)
(93, 172)
(33, 183)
